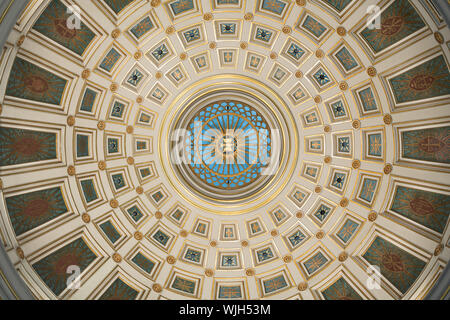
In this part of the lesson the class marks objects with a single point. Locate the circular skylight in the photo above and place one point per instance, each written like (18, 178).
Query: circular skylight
(222, 141)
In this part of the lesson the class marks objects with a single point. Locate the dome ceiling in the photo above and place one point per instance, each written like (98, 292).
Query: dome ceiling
(321, 170)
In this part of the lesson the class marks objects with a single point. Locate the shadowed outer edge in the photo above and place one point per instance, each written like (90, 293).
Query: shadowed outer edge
(12, 287)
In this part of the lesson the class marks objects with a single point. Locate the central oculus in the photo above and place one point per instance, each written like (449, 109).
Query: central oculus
(226, 145)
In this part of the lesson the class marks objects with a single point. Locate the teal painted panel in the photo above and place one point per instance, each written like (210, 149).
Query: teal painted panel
(53, 23)
(429, 209)
(117, 5)
(119, 290)
(143, 262)
(341, 290)
(428, 80)
(398, 21)
(431, 144)
(398, 266)
(31, 210)
(53, 269)
(19, 146)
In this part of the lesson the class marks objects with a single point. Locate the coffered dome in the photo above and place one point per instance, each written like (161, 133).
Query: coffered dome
(225, 149)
